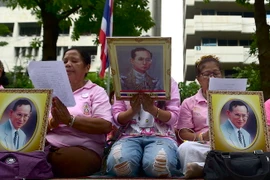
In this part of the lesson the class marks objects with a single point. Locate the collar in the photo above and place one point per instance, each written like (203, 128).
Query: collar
(199, 97)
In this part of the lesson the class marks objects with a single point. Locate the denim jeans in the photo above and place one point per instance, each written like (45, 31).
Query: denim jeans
(152, 155)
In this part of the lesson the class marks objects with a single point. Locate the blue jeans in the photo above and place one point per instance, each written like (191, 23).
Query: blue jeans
(155, 156)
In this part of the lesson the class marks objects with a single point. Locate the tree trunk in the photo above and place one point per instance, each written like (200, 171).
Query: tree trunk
(263, 42)
(50, 36)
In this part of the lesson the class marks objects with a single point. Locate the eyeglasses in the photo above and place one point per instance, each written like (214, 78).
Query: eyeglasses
(209, 74)
(24, 116)
(243, 116)
(147, 60)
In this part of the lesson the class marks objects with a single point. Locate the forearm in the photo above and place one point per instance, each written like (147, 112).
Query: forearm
(92, 125)
(124, 117)
(160, 114)
(187, 134)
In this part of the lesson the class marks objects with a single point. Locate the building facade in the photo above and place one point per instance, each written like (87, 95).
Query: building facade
(25, 29)
(222, 28)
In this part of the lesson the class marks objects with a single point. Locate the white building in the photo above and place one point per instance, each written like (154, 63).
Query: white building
(222, 28)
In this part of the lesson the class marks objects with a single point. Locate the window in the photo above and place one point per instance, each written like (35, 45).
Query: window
(245, 43)
(248, 14)
(208, 12)
(10, 27)
(232, 43)
(222, 42)
(236, 13)
(223, 13)
(17, 51)
(209, 42)
(29, 29)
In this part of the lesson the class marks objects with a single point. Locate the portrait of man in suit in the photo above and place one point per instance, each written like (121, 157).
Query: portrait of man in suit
(11, 135)
(233, 128)
(137, 78)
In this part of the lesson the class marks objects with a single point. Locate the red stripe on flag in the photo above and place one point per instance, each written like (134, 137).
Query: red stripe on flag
(105, 31)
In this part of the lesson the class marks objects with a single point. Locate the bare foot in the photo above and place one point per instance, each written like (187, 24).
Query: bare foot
(194, 171)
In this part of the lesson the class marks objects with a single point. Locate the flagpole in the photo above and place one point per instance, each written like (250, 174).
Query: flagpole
(109, 81)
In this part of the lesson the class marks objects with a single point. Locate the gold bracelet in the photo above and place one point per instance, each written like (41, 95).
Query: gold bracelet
(157, 113)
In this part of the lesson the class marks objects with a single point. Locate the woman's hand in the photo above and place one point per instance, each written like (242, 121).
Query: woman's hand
(135, 103)
(59, 111)
(148, 104)
(205, 136)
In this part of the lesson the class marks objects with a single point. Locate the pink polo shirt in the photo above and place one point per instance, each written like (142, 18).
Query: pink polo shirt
(194, 113)
(267, 111)
(91, 101)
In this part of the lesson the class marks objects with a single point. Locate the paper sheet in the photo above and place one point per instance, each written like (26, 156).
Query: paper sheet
(52, 75)
(227, 84)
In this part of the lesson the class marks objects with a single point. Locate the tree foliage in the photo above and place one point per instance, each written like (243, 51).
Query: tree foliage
(188, 89)
(252, 73)
(3, 31)
(130, 18)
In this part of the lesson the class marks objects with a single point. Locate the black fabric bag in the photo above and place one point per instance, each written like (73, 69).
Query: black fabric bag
(237, 165)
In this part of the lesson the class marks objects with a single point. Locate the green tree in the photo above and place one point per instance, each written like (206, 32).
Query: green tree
(262, 40)
(188, 89)
(3, 31)
(252, 73)
(130, 18)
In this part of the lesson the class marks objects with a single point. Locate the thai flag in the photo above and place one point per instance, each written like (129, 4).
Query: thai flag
(106, 30)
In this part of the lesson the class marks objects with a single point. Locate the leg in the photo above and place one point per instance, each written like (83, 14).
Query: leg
(160, 158)
(74, 161)
(190, 152)
(125, 157)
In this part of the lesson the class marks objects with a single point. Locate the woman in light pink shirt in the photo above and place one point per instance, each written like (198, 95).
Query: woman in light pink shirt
(192, 126)
(3, 78)
(77, 134)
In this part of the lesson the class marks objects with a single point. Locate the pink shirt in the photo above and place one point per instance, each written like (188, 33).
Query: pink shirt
(159, 128)
(91, 101)
(194, 113)
(1, 87)
(267, 111)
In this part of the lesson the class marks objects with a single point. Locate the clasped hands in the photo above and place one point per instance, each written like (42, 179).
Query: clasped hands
(145, 100)
(59, 113)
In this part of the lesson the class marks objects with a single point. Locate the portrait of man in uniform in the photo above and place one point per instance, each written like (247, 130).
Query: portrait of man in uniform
(140, 65)
(137, 77)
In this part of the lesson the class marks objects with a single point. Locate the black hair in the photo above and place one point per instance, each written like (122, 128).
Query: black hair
(133, 52)
(21, 102)
(3, 78)
(84, 54)
(234, 104)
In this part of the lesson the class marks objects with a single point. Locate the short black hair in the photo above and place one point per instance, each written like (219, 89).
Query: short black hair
(236, 103)
(84, 54)
(3, 78)
(133, 51)
(21, 102)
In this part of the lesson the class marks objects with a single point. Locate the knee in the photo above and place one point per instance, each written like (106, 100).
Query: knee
(159, 166)
(119, 165)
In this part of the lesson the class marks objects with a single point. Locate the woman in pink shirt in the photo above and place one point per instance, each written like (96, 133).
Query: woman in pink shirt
(77, 134)
(148, 144)
(3, 78)
(192, 126)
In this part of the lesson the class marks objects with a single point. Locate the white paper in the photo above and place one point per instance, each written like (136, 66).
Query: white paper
(227, 84)
(52, 75)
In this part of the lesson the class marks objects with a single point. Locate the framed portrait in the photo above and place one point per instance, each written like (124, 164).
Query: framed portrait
(24, 118)
(140, 64)
(237, 121)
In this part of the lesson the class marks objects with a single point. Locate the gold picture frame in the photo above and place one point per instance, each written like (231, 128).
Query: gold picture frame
(158, 73)
(223, 116)
(31, 127)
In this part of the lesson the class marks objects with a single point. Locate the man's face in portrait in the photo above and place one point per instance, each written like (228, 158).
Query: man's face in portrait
(238, 116)
(20, 116)
(142, 61)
